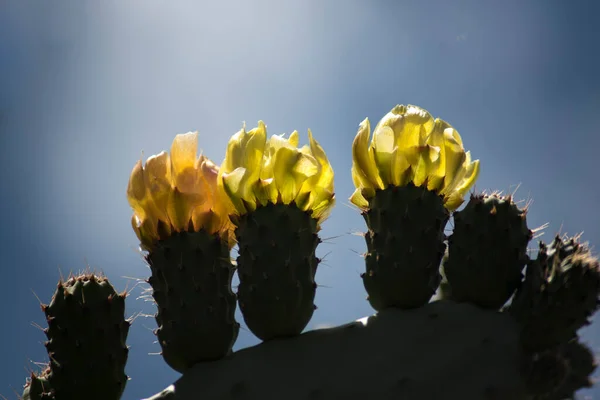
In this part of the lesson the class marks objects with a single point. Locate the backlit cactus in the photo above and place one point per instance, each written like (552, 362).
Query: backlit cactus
(559, 294)
(270, 197)
(281, 194)
(407, 180)
(185, 229)
(87, 331)
(487, 251)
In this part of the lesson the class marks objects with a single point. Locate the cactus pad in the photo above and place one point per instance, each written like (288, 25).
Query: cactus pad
(86, 334)
(191, 282)
(277, 267)
(559, 294)
(405, 244)
(487, 251)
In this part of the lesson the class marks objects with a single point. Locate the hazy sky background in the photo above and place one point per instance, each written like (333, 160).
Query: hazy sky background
(86, 86)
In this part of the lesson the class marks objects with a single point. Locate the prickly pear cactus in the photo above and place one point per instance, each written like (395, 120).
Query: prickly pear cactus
(560, 292)
(277, 216)
(405, 244)
(277, 267)
(183, 227)
(487, 251)
(414, 172)
(86, 345)
(191, 284)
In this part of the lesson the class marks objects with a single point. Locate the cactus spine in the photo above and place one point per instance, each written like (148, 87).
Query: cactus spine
(86, 345)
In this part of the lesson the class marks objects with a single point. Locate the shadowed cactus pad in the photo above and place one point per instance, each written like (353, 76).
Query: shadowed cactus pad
(86, 345)
(405, 244)
(276, 268)
(191, 284)
(560, 292)
(487, 251)
(558, 373)
(442, 350)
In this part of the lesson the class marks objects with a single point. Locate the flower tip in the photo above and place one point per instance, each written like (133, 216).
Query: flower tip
(399, 109)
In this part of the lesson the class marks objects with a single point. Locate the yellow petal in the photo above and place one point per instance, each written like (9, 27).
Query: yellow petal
(322, 209)
(324, 176)
(411, 126)
(358, 200)
(453, 201)
(157, 174)
(265, 191)
(294, 139)
(428, 156)
(179, 210)
(232, 183)
(136, 190)
(290, 171)
(383, 144)
(459, 175)
(364, 169)
(235, 151)
(183, 152)
(471, 175)
(455, 157)
(437, 168)
(253, 155)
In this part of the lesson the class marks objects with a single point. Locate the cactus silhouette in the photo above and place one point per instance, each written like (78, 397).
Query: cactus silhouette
(503, 325)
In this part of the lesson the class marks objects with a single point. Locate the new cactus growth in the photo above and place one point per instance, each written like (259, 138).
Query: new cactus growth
(407, 180)
(187, 235)
(280, 195)
(87, 331)
(560, 292)
(487, 251)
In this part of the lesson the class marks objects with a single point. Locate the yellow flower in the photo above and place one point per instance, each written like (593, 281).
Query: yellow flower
(410, 146)
(176, 192)
(257, 171)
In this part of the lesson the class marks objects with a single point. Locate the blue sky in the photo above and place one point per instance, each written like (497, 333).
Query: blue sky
(87, 86)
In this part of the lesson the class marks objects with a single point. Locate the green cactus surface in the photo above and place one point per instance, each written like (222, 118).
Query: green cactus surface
(277, 266)
(191, 285)
(405, 244)
(487, 251)
(87, 331)
(560, 292)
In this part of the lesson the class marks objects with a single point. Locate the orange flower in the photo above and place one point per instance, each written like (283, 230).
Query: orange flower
(175, 193)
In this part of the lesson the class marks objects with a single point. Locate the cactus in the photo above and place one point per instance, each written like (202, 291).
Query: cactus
(281, 194)
(271, 197)
(557, 373)
(413, 173)
(559, 294)
(187, 236)
(86, 334)
(405, 243)
(487, 251)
